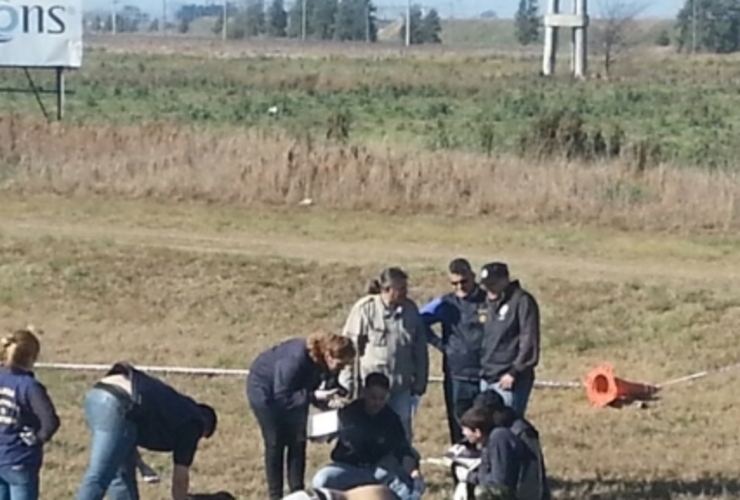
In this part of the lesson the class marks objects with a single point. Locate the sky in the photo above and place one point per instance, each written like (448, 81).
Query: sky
(461, 8)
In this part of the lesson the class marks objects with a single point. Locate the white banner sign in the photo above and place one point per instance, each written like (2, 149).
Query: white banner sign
(41, 33)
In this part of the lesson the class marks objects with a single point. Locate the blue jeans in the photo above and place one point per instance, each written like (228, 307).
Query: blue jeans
(19, 483)
(518, 397)
(112, 466)
(401, 403)
(343, 477)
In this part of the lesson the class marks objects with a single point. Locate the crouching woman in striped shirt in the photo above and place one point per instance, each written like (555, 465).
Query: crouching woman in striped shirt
(28, 418)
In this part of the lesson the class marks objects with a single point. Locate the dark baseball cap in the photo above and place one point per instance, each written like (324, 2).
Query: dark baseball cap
(493, 273)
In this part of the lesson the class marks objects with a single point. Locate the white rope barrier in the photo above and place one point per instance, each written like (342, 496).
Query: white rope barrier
(227, 372)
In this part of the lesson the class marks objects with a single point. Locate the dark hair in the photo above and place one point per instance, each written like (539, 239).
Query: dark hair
(377, 379)
(460, 267)
(210, 420)
(490, 401)
(390, 278)
(478, 419)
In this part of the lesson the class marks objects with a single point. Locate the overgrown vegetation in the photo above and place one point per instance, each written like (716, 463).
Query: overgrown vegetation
(687, 109)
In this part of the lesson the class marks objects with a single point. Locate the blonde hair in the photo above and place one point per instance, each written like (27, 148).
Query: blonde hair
(21, 348)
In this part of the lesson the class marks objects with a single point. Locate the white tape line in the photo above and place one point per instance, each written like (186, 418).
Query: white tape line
(184, 370)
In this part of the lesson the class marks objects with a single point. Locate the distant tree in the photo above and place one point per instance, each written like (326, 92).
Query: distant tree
(527, 22)
(431, 27)
(277, 19)
(617, 30)
(356, 20)
(295, 18)
(416, 32)
(663, 39)
(709, 25)
(323, 18)
(254, 24)
(488, 14)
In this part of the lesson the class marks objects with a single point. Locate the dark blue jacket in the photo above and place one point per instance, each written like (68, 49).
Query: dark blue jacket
(502, 461)
(462, 320)
(284, 377)
(24, 405)
(365, 440)
(166, 420)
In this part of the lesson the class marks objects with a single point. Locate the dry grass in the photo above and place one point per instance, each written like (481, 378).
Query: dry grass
(252, 168)
(99, 302)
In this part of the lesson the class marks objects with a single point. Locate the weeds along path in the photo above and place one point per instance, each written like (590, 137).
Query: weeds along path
(252, 243)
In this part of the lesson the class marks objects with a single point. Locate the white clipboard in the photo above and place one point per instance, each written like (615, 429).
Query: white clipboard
(323, 425)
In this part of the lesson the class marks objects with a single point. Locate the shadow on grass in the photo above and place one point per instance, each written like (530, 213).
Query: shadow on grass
(221, 495)
(612, 489)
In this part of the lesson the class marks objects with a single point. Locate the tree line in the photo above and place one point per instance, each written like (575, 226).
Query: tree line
(701, 25)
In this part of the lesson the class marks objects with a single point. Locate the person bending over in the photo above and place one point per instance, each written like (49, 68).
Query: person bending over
(372, 447)
(28, 418)
(129, 408)
(282, 384)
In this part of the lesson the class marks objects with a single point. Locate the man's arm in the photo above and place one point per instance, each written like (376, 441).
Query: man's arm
(431, 314)
(180, 482)
(421, 359)
(529, 335)
(353, 328)
(183, 455)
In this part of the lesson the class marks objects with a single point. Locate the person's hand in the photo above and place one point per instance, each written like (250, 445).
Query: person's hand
(409, 465)
(324, 395)
(28, 437)
(506, 382)
(337, 402)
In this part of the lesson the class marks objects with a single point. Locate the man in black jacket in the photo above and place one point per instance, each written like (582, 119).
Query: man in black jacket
(511, 339)
(461, 315)
(372, 447)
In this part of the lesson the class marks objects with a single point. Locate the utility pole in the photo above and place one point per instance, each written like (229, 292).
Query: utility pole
(693, 26)
(303, 20)
(163, 28)
(367, 21)
(225, 18)
(408, 23)
(113, 18)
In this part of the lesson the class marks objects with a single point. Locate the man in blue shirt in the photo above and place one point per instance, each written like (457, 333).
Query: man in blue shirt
(461, 314)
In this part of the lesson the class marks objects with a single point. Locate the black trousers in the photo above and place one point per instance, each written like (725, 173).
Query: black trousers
(281, 432)
(459, 397)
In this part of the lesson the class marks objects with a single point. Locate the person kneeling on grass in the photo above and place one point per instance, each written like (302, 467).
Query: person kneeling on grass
(372, 446)
(28, 419)
(511, 465)
(129, 408)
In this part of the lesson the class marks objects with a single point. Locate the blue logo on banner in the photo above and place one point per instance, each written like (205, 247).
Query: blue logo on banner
(30, 19)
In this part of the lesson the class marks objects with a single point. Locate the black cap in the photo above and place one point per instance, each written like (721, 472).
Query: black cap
(493, 273)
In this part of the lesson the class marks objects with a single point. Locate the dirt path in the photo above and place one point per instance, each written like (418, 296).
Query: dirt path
(249, 243)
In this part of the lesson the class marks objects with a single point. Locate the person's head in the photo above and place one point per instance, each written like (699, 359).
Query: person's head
(494, 278)
(331, 350)
(477, 424)
(392, 285)
(462, 277)
(489, 401)
(21, 349)
(375, 392)
(210, 420)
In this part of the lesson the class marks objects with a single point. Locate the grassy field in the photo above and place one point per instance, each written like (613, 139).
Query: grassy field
(162, 224)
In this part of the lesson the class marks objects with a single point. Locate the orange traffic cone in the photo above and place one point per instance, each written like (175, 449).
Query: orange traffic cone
(604, 389)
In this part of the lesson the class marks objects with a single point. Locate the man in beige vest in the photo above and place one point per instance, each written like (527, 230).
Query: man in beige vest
(390, 338)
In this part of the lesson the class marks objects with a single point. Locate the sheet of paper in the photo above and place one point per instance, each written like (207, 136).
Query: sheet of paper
(323, 424)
